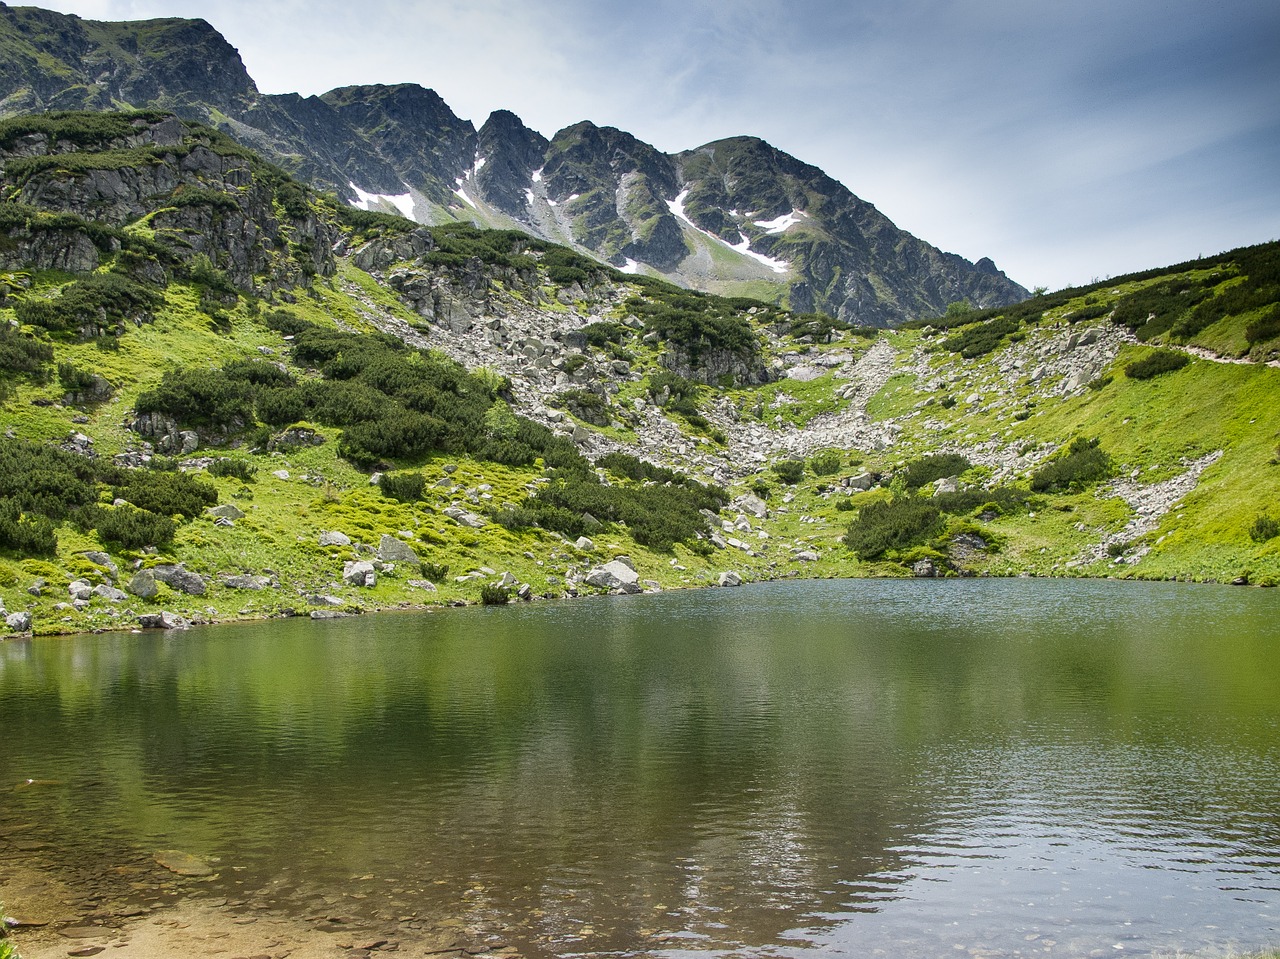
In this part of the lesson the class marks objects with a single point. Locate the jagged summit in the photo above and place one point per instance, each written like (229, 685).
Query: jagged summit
(734, 215)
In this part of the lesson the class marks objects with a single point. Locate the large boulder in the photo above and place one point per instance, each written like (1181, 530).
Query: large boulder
(334, 538)
(360, 573)
(18, 622)
(164, 620)
(110, 593)
(730, 578)
(615, 575)
(143, 584)
(180, 579)
(392, 550)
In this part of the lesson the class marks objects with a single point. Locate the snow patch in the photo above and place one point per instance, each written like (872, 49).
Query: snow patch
(480, 162)
(572, 198)
(530, 199)
(778, 266)
(536, 176)
(466, 199)
(367, 201)
(676, 207)
(782, 223)
(631, 266)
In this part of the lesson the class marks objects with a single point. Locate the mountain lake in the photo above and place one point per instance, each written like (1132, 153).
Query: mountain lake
(881, 767)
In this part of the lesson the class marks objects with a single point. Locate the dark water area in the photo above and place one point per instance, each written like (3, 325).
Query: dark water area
(900, 768)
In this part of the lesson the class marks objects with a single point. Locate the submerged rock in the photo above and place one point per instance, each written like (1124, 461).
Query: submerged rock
(184, 864)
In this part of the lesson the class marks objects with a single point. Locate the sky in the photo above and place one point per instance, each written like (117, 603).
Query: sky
(1068, 141)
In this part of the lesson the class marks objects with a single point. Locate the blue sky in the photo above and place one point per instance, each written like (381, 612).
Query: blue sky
(1067, 141)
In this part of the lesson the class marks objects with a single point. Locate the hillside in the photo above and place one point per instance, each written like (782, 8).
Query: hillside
(737, 216)
(226, 395)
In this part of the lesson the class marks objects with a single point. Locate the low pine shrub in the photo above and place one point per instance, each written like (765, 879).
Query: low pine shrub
(1084, 463)
(1161, 361)
(1264, 528)
(133, 528)
(405, 487)
(245, 472)
(789, 471)
(935, 466)
(825, 463)
(491, 594)
(892, 525)
(434, 571)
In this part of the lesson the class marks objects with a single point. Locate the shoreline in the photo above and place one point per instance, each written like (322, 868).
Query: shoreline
(402, 607)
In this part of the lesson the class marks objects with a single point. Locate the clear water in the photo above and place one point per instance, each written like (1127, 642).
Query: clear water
(972, 767)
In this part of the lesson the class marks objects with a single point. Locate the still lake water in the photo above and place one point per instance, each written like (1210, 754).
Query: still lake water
(908, 768)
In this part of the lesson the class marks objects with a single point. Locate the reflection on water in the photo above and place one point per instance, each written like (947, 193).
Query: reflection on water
(1002, 767)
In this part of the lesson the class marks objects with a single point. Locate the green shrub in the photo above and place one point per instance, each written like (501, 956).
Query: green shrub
(825, 463)
(789, 471)
(936, 466)
(45, 481)
(26, 534)
(1266, 327)
(405, 487)
(22, 354)
(131, 528)
(892, 525)
(981, 338)
(90, 302)
(165, 494)
(245, 472)
(1264, 528)
(491, 594)
(1161, 361)
(1083, 463)
(194, 397)
(435, 572)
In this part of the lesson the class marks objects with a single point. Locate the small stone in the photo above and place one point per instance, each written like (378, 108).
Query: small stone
(584, 544)
(334, 538)
(226, 511)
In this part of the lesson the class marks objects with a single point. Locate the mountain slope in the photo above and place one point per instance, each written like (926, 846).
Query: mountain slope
(203, 363)
(695, 218)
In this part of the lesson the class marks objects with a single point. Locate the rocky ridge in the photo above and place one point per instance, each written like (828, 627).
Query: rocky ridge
(728, 213)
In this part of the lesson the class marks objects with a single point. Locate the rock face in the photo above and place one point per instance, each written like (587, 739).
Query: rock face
(401, 149)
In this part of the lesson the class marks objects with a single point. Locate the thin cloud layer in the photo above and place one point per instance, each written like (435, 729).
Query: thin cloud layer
(1066, 141)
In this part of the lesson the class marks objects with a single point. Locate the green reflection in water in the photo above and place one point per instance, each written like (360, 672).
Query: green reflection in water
(727, 765)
